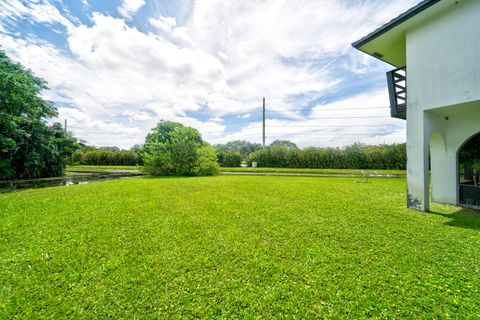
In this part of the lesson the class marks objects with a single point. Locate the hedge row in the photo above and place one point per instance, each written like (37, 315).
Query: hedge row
(105, 158)
(356, 156)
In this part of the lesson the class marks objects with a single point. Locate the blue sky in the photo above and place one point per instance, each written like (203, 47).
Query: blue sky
(115, 68)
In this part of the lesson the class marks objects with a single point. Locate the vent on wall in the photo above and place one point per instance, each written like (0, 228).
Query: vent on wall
(377, 55)
(397, 89)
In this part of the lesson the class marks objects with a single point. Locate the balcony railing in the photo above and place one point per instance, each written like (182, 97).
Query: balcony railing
(397, 89)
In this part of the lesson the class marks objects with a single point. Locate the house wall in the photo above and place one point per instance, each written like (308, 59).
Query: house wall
(443, 69)
(443, 58)
(447, 137)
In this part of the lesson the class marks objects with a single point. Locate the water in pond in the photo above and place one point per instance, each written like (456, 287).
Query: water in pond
(67, 180)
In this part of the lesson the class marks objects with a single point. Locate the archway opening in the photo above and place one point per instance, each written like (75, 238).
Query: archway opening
(469, 172)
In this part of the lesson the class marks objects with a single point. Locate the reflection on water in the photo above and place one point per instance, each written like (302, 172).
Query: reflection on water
(67, 180)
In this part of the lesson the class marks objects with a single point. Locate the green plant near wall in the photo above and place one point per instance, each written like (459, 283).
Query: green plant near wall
(476, 165)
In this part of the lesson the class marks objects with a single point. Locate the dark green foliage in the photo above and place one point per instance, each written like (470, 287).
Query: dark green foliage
(229, 158)
(109, 148)
(356, 156)
(206, 163)
(107, 158)
(172, 149)
(242, 146)
(28, 147)
(283, 143)
(470, 151)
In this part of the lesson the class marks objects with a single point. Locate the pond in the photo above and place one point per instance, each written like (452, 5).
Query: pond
(71, 178)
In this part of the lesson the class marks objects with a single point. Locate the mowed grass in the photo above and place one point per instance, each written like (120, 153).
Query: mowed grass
(235, 247)
(83, 168)
(316, 171)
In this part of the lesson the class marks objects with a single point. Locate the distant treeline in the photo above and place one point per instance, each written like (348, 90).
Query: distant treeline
(285, 154)
(279, 154)
(106, 156)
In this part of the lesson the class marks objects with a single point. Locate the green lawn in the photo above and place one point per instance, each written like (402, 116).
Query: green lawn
(82, 168)
(235, 247)
(317, 171)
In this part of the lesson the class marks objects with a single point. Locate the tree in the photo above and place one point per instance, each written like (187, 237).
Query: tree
(284, 143)
(28, 147)
(172, 149)
(242, 146)
(110, 148)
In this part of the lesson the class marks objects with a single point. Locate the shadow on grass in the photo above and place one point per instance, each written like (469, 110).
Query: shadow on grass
(464, 218)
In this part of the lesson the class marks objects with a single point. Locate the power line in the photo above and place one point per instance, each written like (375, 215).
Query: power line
(345, 126)
(316, 118)
(246, 122)
(230, 131)
(242, 124)
(330, 134)
(328, 109)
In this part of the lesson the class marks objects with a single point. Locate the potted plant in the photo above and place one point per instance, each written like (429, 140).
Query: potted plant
(475, 171)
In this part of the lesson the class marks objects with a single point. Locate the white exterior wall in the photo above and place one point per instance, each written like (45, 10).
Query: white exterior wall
(462, 124)
(443, 69)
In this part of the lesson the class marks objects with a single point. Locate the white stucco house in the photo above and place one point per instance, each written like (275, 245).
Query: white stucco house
(435, 87)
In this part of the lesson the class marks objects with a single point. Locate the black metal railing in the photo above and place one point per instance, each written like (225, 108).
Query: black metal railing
(469, 186)
(470, 195)
(397, 89)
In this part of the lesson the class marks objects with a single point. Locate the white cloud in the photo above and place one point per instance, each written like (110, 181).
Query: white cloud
(130, 7)
(108, 79)
(40, 11)
(362, 118)
(221, 60)
(165, 24)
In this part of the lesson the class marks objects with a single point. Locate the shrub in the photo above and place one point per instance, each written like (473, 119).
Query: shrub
(159, 164)
(229, 158)
(206, 164)
(172, 149)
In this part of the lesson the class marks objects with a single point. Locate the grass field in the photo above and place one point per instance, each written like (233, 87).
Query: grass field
(317, 171)
(259, 170)
(235, 247)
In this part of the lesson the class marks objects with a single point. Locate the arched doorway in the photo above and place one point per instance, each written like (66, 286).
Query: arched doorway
(469, 172)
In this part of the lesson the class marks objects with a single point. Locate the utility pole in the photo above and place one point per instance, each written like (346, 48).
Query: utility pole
(263, 136)
(65, 125)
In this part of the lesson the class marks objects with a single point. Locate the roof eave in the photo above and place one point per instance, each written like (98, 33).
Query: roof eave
(393, 23)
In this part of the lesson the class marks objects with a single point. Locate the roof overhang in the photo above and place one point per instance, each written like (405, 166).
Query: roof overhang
(388, 43)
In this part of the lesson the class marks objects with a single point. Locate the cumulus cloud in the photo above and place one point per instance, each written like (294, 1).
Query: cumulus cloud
(166, 24)
(360, 118)
(130, 7)
(219, 61)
